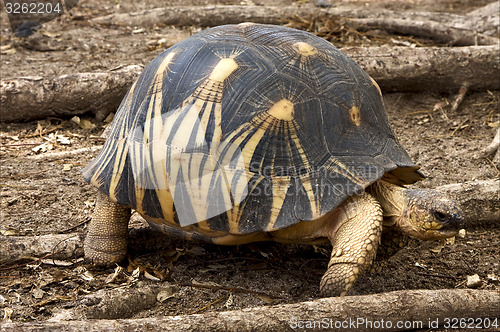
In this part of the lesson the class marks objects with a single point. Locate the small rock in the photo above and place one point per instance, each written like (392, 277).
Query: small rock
(37, 293)
(474, 281)
(322, 3)
(493, 278)
(462, 233)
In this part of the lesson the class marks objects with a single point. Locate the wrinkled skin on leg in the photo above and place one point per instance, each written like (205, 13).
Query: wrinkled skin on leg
(106, 241)
(355, 244)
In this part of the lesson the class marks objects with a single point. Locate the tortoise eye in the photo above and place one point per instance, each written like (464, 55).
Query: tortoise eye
(440, 216)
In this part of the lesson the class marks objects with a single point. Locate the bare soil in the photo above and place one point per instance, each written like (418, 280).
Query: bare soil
(43, 193)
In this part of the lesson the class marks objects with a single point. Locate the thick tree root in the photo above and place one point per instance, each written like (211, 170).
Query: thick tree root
(395, 311)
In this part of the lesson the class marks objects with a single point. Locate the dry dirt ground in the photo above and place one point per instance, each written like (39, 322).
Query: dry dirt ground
(43, 193)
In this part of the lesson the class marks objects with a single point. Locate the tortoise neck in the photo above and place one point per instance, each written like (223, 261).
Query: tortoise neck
(390, 196)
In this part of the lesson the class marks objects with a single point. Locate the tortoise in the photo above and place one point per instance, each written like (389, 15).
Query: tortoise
(252, 132)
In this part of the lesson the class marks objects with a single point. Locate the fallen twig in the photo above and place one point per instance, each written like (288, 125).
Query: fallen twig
(114, 303)
(460, 97)
(59, 246)
(430, 68)
(218, 15)
(394, 68)
(418, 306)
(76, 226)
(17, 145)
(429, 29)
(29, 98)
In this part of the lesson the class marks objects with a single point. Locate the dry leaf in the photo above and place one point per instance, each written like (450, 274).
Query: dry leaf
(229, 301)
(63, 140)
(43, 147)
(267, 299)
(67, 167)
(7, 312)
(150, 277)
(82, 123)
(165, 294)
(56, 262)
(197, 251)
(109, 118)
(450, 241)
(439, 247)
(9, 232)
(112, 277)
(136, 273)
(58, 276)
(86, 124)
(84, 273)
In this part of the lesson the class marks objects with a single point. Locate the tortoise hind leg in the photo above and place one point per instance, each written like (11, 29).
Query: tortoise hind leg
(355, 244)
(106, 241)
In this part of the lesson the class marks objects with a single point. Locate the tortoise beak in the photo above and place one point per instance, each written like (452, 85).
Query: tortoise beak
(446, 224)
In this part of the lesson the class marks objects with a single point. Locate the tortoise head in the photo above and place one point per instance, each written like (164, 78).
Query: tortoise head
(427, 214)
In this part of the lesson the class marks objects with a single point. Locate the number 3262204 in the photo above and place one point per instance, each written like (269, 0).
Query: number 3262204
(31, 8)
(470, 323)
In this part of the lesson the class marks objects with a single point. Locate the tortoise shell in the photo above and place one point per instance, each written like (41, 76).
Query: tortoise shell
(248, 128)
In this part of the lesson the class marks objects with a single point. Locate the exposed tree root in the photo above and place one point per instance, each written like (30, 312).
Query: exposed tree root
(29, 98)
(57, 246)
(394, 68)
(416, 309)
(219, 15)
(429, 29)
(430, 68)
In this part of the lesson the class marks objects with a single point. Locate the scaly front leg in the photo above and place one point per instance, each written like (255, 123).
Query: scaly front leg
(354, 243)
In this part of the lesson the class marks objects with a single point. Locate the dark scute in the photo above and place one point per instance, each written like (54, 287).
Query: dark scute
(216, 204)
(151, 205)
(287, 212)
(256, 207)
